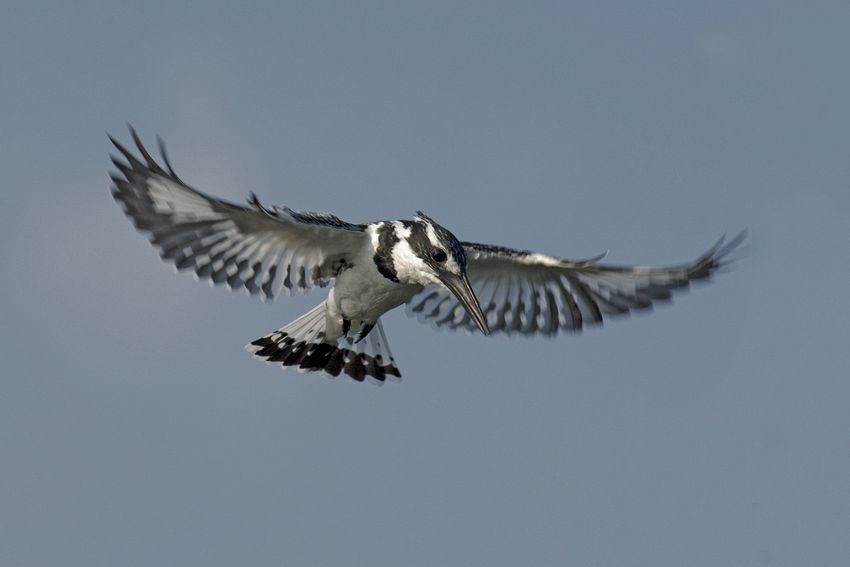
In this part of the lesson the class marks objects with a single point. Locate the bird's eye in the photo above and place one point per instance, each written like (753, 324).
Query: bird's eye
(439, 255)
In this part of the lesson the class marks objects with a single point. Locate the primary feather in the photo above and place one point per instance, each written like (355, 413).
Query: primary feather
(261, 250)
(523, 292)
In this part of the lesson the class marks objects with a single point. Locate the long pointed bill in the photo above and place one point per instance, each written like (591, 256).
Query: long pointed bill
(459, 286)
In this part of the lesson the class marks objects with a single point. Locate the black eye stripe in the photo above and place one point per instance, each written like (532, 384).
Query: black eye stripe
(446, 243)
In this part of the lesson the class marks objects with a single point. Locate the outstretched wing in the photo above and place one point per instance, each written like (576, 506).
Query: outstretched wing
(251, 247)
(529, 293)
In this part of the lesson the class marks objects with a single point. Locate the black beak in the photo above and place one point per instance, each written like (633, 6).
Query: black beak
(459, 286)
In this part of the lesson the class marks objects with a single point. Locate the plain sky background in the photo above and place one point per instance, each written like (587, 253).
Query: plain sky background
(135, 431)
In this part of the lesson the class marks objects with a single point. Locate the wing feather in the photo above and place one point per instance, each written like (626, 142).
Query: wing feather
(261, 250)
(527, 293)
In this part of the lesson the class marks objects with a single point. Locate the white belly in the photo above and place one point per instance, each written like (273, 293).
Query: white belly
(363, 294)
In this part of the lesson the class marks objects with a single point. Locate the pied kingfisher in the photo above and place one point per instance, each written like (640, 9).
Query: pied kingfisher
(376, 267)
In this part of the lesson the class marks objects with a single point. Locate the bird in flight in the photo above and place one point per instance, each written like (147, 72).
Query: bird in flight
(375, 267)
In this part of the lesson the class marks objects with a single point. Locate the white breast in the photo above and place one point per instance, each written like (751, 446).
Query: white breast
(362, 293)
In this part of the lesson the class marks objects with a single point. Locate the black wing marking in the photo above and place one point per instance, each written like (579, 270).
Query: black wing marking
(307, 217)
(522, 292)
(262, 250)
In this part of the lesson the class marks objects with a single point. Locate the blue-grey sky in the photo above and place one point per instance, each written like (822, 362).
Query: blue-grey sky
(135, 431)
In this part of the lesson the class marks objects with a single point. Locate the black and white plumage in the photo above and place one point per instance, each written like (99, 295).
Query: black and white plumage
(376, 267)
(523, 292)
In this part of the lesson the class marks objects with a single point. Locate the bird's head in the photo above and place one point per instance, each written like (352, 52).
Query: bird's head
(433, 255)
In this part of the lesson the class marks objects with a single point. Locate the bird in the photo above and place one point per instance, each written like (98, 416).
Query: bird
(374, 267)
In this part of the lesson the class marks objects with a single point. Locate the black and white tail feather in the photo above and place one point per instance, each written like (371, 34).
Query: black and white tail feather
(303, 345)
(269, 251)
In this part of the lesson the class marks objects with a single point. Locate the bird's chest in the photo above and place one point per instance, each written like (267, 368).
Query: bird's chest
(362, 293)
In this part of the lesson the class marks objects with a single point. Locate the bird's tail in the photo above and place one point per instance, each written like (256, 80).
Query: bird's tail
(303, 344)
